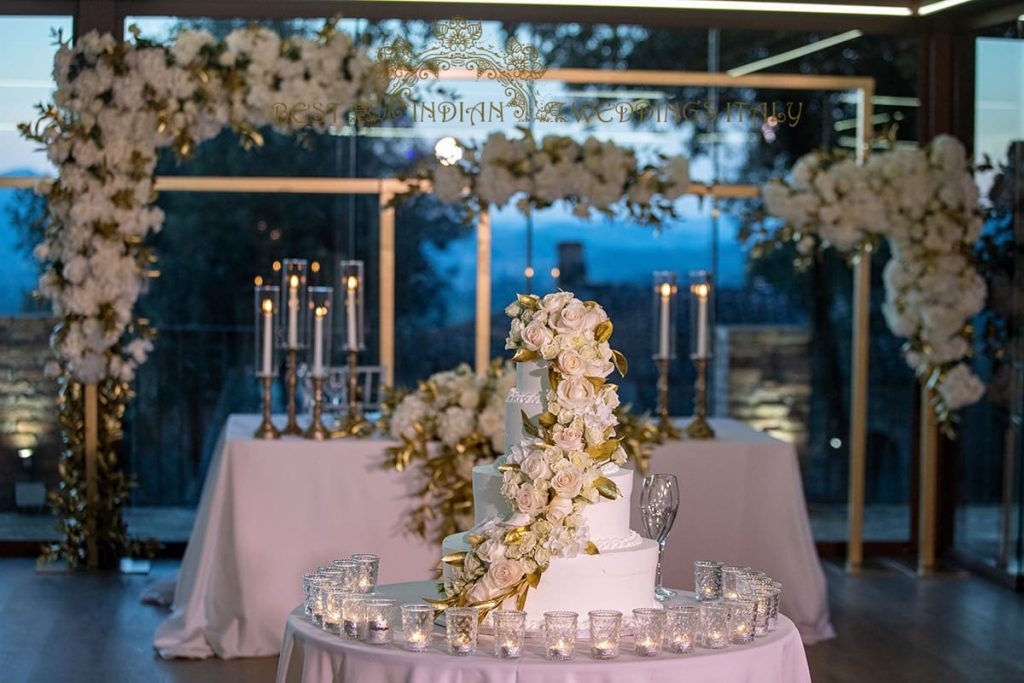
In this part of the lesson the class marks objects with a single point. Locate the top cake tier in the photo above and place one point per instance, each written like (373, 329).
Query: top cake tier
(529, 396)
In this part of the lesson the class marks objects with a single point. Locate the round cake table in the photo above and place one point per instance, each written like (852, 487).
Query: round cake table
(311, 655)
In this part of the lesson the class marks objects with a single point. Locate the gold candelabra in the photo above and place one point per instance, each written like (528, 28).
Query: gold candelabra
(291, 384)
(267, 430)
(316, 430)
(699, 428)
(665, 427)
(354, 423)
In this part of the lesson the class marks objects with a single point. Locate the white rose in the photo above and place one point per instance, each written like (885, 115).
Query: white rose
(572, 363)
(568, 482)
(569, 437)
(558, 509)
(575, 392)
(529, 500)
(535, 466)
(502, 575)
(536, 335)
(491, 550)
(572, 318)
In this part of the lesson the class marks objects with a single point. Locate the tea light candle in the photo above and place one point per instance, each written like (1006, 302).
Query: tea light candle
(648, 647)
(682, 642)
(416, 641)
(378, 632)
(461, 625)
(509, 633)
(559, 649)
(509, 650)
(560, 634)
(605, 626)
(604, 650)
(417, 621)
(461, 645)
(380, 617)
(682, 623)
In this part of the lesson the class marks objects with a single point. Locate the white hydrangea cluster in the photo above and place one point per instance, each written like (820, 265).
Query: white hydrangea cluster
(560, 466)
(115, 105)
(592, 176)
(925, 202)
(453, 406)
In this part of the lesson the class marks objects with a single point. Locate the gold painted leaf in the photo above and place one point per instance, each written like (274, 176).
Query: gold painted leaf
(515, 536)
(621, 364)
(456, 559)
(547, 420)
(603, 331)
(528, 301)
(523, 355)
(508, 467)
(592, 548)
(607, 488)
(553, 377)
(603, 451)
(475, 539)
(528, 427)
(596, 382)
(521, 599)
(533, 578)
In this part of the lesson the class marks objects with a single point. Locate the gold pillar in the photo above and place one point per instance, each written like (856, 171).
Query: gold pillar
(90, 419)
(859, 407)
(483, 291)
(387, 285)
(927, 511)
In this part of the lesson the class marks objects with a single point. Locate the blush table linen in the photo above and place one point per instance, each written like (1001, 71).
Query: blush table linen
(741, 502)
(269, 511)
(311, 655)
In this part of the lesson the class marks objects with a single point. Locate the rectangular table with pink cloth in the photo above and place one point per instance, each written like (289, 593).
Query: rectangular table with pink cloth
(742, 502)
(269, 511)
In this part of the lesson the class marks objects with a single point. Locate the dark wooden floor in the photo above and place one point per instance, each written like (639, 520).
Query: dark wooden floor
(892, 629)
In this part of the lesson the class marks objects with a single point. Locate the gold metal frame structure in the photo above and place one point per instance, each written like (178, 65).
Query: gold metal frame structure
(388, 188)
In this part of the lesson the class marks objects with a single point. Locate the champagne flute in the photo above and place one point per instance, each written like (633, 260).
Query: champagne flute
(659, 503)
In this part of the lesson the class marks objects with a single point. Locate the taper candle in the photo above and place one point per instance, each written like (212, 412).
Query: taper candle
(318, 341)
(268, 336)
(293, 312)
(702, 291)
(663, 342)
(351, 285)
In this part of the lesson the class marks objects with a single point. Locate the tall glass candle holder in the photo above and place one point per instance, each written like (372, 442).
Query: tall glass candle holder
(701, 325)
(714, 625)
(560, 635)
(773, 620)
(417, 624)
(648, 631)
(682, 627)
(267, 307)
(320, 303)
(509, 633)
(367, 574)
(605, 631)
(351, 291)
(764, 596)
(293, 331)
(461, 624)
(741, 620)
(707, 579)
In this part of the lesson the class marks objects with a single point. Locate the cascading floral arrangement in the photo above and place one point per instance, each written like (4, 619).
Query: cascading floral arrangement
(117, 104)
(559, 468)
(925, 203)
(453, 421)
(593, 176)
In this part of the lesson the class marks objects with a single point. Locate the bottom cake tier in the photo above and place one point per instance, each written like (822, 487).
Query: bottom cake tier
(617, 579)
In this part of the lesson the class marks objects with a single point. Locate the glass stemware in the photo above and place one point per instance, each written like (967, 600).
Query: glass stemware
(659, 503)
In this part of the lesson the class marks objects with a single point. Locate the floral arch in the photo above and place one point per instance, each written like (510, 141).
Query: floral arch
(116, 105)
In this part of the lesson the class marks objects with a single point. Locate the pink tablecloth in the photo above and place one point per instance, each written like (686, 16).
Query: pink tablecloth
(309, 655)
(270, 510)
(742, 502)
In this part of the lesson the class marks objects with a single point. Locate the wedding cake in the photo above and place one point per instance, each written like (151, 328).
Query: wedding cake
(609, 566)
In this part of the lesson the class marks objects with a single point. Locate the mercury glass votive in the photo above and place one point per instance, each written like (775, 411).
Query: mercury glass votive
(417, 624)
(714, 625)
(461, 625)
(368, 566)
(648, 631)
(348, 572)
(732, 581)
(682, 626)
(605, 628)
(308, 579)
(741, 620)
(332, 614)
(773, 620)
(708, 579)
(509, 633)
(560, 635)
(379, 615)
(320, 583)
(764, 595)
(352, 617)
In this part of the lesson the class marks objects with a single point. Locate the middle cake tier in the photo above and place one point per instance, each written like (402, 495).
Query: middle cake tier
(608, 520)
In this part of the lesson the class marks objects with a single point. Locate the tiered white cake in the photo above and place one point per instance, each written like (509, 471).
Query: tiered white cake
(621, 577)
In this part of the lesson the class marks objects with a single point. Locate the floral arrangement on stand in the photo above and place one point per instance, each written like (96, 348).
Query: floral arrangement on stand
(453, 421)
(116, 104)
(557, 470)
(592, 176)
(925, 203)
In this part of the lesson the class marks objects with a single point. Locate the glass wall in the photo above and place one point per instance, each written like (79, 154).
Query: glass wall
(988, 520)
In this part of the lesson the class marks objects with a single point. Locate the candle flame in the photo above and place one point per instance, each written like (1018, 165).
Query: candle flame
(258, 280)
(701, 290)
(666, 290)
(268, 306)
(352, 282)
(320, 311)
(293, 282)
